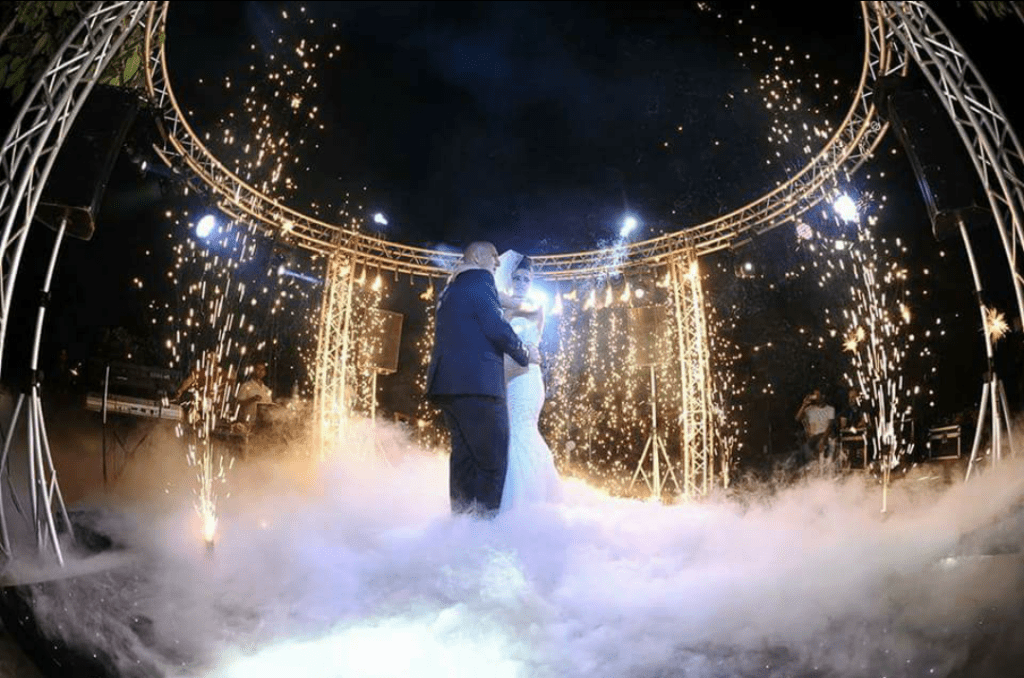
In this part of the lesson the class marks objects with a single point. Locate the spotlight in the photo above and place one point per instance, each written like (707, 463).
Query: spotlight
(379, 218)
(846, 208)
(282, 270)
(629, 225)
(747, 269)
(540, 297)
(206, 226)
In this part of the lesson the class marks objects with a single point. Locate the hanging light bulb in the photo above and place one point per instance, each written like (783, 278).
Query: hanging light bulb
(378, 282)
(626, 292)
(556, 308)
(608, 298)
(428, 293)
(591, 301)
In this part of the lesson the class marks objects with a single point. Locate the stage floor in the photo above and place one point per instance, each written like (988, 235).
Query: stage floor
(354, 567)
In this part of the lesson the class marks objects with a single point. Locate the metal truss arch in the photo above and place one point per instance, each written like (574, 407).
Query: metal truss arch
(990, 140)
(853, 142)
(38, 132)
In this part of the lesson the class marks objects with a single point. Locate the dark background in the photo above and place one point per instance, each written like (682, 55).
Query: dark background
(539, 126)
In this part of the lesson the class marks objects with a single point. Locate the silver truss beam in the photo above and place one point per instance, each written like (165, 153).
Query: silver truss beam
(38, 132)
(333, 388)
(696, 425)
(990, 140)
(852, 144)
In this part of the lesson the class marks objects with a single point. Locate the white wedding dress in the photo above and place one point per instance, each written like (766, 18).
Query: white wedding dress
(531, 476)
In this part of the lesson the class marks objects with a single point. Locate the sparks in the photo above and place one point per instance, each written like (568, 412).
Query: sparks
(995, 324)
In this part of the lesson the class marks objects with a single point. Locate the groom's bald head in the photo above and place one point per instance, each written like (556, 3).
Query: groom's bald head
(481, 254)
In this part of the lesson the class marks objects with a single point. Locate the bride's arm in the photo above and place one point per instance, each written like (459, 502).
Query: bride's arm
(507, 302)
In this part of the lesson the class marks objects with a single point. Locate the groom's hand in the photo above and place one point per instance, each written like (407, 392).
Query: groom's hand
(534, 352)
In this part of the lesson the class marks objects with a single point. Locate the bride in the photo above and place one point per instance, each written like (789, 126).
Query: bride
(531, 475)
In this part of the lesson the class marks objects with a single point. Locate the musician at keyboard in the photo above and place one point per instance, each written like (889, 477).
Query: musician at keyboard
(206, 392)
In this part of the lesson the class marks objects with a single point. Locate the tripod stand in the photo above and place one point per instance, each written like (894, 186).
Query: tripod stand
(42, 477)
(993, 398)
(655, 453)
(993, 403)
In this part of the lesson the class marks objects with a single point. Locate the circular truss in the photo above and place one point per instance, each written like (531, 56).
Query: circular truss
(847, 149)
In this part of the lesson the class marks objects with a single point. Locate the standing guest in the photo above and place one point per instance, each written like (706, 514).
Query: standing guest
(818, 419)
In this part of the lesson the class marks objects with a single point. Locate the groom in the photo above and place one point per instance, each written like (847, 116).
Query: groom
(466, 379)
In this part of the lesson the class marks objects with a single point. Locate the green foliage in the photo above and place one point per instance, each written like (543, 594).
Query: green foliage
(34, 31)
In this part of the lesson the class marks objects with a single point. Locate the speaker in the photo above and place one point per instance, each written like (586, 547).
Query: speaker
(383, 353)
(944, 172)
(80, 173)
(646, 323)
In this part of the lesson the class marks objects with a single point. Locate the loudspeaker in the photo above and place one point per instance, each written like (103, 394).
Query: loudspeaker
(80, 173)
(383, 353)
(943, 170)
(646, 324)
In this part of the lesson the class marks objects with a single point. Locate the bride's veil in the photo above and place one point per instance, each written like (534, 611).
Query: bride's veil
(503, 276)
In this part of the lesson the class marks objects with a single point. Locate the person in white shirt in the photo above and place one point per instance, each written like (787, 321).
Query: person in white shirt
(251, 393)
(818, 419)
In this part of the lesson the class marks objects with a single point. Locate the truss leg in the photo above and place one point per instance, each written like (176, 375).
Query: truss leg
(982, 410)
(1006, 420)
(640, 465)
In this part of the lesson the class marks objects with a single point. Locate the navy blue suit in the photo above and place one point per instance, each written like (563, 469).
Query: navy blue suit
(467, 380)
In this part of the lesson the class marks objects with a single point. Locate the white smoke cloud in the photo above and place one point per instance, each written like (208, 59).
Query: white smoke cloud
(354, 567)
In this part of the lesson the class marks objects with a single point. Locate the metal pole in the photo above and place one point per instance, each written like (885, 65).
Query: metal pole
(977, 431)
(103, 409)
(994, 412)
(1006, 419)
(373, 400)
(988, 392)
(3, 464)
(654, 438)
(346, 328)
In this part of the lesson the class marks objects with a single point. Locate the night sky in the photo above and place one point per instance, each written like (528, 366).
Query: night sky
(540, 125)
(536, 124)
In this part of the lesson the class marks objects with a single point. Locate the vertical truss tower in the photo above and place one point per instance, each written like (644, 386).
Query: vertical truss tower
(334, 385)
(696, 431)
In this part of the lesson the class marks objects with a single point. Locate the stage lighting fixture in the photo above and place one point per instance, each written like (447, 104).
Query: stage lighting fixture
(539, 297)
(379, 218)
(846, 208)
(284, 271)
(206, 226)
(629, 225)
(746, 269)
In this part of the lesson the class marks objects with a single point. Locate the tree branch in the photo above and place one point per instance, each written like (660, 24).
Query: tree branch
(8, 29)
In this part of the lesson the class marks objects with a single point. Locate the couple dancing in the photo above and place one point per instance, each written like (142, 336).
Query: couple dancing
(485, 376)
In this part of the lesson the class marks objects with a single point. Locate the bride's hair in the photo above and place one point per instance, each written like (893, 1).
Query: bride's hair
(525, 264)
